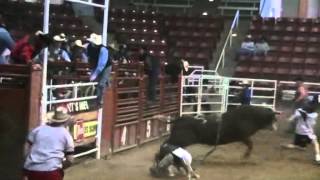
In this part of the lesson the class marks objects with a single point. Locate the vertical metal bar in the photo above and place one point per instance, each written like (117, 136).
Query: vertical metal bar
(50, 98)
(181, 93)
(274, 95)
(105, 22)
(223, 58)
(75, 91)
(104, 42)
(200, 94)
(251, 90)
(45, 63)
(230, 36)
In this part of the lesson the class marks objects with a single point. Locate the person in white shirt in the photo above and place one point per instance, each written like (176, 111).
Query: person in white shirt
(304, 132)
(47, 146)
(173, 155)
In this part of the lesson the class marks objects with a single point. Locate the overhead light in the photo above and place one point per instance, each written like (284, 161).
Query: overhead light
(211, 0)
(205, 13)
(234, 35)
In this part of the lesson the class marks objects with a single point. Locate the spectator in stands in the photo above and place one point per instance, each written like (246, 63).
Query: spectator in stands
(245, 94)
(261, 46)
(152, 69)
(47, 146)
(247, 46)
(27, 48)
(56, 53)
(78, 52)
(6, 42)
(100, 64)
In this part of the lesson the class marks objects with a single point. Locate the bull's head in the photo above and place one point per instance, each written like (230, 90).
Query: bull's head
(274, 126)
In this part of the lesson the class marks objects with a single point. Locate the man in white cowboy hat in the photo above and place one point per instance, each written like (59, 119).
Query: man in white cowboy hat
(100, 64)
(56, 53)
(245, 94)
(48, 145)
(78, 52)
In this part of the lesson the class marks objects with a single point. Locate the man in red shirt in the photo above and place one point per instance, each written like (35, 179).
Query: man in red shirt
(29, 46)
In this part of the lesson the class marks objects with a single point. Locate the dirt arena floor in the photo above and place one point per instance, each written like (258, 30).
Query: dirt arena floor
(268, 162)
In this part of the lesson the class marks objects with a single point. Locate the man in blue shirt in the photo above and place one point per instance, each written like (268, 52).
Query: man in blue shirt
(100, 64)
(245, 95)
(6, 41)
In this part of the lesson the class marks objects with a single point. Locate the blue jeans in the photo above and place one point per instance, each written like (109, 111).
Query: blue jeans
(3, 60)
(103, 82)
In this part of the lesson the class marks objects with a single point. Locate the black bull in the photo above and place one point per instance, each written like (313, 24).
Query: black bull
(237, 125)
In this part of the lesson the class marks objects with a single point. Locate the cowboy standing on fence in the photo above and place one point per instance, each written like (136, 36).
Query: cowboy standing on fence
(100, 64)
(48, 145)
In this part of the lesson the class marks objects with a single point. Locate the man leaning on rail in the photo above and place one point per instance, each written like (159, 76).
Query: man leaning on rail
(100, 64)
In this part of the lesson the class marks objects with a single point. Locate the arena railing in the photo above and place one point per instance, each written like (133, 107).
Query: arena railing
(207, 92)
(129, 112)
(288, 88)
(221, 60)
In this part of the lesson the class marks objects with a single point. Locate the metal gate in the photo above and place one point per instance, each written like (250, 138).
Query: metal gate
(204, 91)
(80, 100)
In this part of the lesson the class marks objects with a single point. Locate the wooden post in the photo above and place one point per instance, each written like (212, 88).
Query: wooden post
(107, 122)
(109, 114)
(34, 100)
(141, 103)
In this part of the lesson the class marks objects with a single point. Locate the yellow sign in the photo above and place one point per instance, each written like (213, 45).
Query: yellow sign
(84, 129)
(90, 128)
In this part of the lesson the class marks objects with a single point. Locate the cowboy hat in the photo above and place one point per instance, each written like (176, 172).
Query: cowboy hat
(244, 82)
(38, 33)
(58, 38)
(95, 39)
(79, 43)
(113, 46)
(60, 115)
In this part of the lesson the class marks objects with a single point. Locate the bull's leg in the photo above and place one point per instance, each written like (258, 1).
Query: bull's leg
(249, 144)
